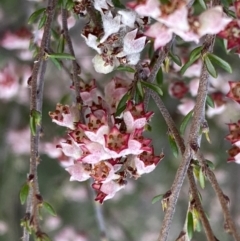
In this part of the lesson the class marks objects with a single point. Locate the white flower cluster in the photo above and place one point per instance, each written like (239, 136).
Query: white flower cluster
(118, 41)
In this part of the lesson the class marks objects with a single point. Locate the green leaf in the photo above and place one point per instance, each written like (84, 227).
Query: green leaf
(61, 44)
(185, 121)
(195, 52)
(56, 63)
(190, 62)
(24, 193)
(118, 4)
(210, 68)
(157, 198)
(159, 77)
(220, 62)
(125, 68)
(175, 59)
(122, 104)
(190, 225)
(203, 4)
(61, 56)
(201, 178)
(153, 87)
(42, 21)
(210, 101)
(65, 99)
(140, 89)
(173, 145)
(69, 5)
(35, 119)
(151, 50)
(34, 16)
(210, 164)
(48, 207)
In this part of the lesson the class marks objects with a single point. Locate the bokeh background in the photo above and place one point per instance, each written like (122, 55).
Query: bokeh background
(130, 215)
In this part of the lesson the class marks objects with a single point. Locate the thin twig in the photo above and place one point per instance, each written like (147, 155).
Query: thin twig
(37, 78)
(75, 65)
(223, 199)
(162, 56)
(193, 187)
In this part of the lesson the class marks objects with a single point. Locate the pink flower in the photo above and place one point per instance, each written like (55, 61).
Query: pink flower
(63, 116)
(186, 106)
(135, 117)
(107, 190)
(160, 33)
(234, 92)
(149, 8)
(71, 149)
(79, 172)
(176, 20)
(9, 84)
(234, 154)
(212, 21)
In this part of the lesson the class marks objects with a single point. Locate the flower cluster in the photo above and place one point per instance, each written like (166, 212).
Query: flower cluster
(106, 147)
(118, 40)
(234, 128)
(232, 31)
(175, 17)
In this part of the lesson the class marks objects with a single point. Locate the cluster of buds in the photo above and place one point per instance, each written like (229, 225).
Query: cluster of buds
(234, 128)
(106, 147)
(175, 17)
(118, 40)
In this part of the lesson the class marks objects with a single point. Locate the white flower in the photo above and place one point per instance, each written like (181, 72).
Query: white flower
(128, 17)
(101, 67)
(92, 41)
(110, 25)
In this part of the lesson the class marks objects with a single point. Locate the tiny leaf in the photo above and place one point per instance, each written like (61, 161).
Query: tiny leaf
(190, 225)
(210, 165)
(157, 198)
(118, 4)
(175, 59)
(125, 68)
(48, 207)
(42, 21)
(203, 4)
(153, 87)
(122, 104)
(34, 16)
(24, 193)
(56, 63)
(210, 101)
(210, 67)
(220, 62)
(173, 145)
(140, 89)
(189, 63)
(185, 121)
(61, 44)
(61, 56)
(159, 77)
(201, 178)
(195, 52)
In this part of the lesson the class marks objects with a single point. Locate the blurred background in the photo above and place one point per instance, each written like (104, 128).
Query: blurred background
(130, 215)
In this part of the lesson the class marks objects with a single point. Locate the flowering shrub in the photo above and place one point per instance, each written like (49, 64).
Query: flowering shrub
(150, 48)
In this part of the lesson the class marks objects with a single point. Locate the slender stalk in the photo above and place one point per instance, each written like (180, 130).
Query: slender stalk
(76, 67)
(37, 84)
(162, 56)
(222, 198)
